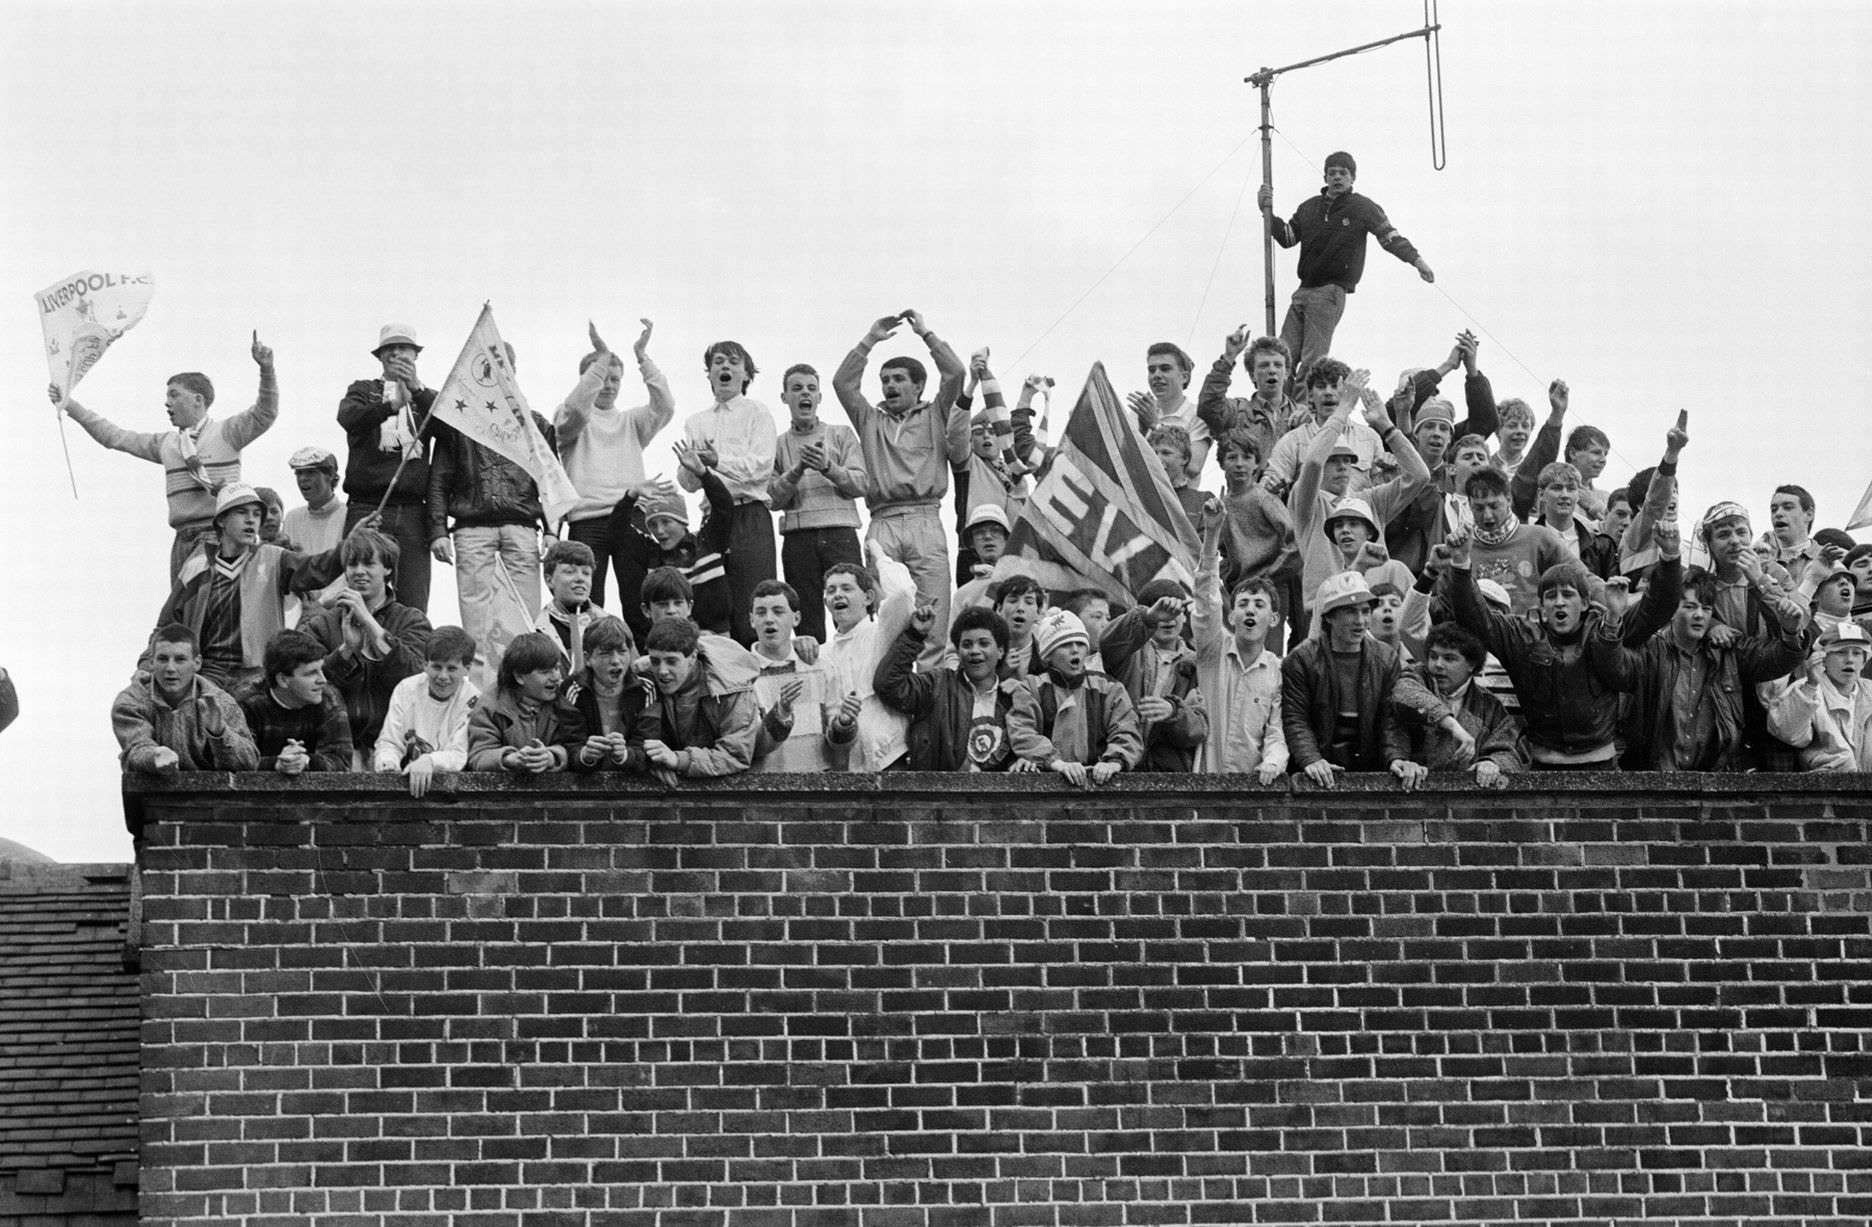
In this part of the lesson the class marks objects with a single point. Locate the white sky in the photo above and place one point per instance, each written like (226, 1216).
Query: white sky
(1637, 199)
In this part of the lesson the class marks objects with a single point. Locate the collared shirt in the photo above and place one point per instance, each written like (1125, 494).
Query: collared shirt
(1244, 700)
(1693, 722)
(741, 430)
(1244, 713)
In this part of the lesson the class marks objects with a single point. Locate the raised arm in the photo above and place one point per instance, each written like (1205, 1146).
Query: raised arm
(1206, 624)
(1212, 407)
(661, 411)
(896, 681)
(1306, 482)
(572, 413)
(1413, 472)
(1499, 632)
(1525, 489)
(850, 373)
(947, 404)
(1478, 394)
(1658, 494)
(252, 422)
(145, 445)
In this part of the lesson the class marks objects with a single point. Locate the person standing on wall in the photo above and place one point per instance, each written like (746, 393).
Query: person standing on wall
(1330, 229)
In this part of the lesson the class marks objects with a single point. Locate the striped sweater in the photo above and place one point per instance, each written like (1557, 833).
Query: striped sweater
(218, 445)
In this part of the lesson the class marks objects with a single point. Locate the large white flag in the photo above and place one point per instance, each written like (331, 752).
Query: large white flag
(83, 313)
(482, 400)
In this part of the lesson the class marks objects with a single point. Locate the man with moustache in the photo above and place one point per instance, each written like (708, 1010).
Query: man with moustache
(909, 446)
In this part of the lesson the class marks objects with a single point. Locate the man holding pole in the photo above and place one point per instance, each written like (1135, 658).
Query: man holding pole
(386, 422)
(1330, 229)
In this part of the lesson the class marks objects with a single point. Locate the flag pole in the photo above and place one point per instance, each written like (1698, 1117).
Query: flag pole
(391, 488)
(65, 446)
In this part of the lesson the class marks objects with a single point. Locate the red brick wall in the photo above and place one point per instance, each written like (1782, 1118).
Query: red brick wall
(954, 1001)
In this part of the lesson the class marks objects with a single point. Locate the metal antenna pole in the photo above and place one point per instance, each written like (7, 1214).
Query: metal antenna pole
(1264, 80)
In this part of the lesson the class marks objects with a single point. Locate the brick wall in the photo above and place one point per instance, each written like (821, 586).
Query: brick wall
(938, 1000)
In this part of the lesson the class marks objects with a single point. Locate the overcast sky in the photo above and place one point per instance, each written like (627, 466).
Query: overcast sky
(1641, 198)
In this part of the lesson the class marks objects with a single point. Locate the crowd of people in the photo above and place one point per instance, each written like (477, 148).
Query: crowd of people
(1384, 583)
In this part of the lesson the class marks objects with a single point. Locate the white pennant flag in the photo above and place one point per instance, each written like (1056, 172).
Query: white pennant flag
(1862, 514)
(81, 315)
(482, 400)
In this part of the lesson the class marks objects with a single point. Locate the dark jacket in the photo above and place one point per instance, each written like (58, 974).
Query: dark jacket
(368, 468)
(723, 725)
(1331, 233)
(498, 725)
(1310, 706)
(367, 684)
(1169, 744)
(1420, 710)
(941, 707)
(477, 487)
(702, 557)
(1650, 672)
(1567, 705)
(582, 699)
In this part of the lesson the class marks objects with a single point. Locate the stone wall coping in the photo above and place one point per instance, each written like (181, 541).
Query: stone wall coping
(478, 788)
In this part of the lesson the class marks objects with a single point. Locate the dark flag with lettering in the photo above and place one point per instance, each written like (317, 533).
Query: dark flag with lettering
(1103, 514)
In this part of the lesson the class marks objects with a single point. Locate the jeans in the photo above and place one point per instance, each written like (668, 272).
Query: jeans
(408, 525)
(750, 560)
(1312, 316)
(497, 574)
(596, 533)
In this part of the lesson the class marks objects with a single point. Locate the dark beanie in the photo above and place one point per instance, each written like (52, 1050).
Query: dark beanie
(1342, 158)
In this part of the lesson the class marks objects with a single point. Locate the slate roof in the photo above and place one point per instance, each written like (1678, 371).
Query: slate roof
(68, 1026)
